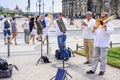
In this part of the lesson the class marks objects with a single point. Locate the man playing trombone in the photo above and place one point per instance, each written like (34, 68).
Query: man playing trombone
(101, 42)
(86, 27)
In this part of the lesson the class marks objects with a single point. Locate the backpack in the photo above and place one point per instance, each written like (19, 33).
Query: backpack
(6, 69)
(3, 64)
(6, 24)
(44, 23)
(45, 59)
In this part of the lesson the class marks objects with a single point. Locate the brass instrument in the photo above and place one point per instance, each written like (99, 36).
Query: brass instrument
(100, 24)
(82, 22)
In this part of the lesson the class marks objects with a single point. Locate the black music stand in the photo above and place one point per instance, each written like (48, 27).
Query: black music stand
(40, 59)
(62, 29)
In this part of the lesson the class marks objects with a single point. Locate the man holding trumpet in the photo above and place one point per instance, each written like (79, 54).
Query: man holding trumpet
(101, 42)
(86, 27)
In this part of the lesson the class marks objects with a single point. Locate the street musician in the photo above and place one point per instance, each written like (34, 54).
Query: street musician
(101, 42)
(88, 37)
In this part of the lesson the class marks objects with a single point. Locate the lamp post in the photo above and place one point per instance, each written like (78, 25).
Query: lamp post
(43, 7)
(39, 1)
(29, 6)
(71, 14)
(52, 6)
(95, 6)
(36, 6)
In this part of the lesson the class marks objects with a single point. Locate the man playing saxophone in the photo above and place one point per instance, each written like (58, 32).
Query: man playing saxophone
(86, 27)
(101, 42)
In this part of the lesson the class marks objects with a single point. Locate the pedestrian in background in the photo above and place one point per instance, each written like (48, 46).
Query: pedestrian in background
(25, 26)
(33, 30)
(31, 24)
(47, 28)
(39, 26)
(14, 30)
(6, 27)
(33, 34)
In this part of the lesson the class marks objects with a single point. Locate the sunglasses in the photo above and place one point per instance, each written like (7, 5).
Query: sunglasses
(102, 16)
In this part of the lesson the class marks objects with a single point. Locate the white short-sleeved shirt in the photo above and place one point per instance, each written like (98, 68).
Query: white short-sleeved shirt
(26, 25)
(47, 30)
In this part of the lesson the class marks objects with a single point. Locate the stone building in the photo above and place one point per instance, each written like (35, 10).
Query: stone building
(96, 6)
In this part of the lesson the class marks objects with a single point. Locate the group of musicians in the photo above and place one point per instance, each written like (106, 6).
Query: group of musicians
(95, 39)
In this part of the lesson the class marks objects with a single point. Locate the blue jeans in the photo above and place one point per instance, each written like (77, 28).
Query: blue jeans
(62, 46)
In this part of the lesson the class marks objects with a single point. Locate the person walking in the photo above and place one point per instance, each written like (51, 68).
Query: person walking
(14, 30)
(40, 27)
(33, 34)
(47, 28)
(6, 27)
(25, 26)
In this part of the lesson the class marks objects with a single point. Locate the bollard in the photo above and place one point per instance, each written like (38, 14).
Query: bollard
(110, 44)
(47, 45)
(77, 47)
(8, 40)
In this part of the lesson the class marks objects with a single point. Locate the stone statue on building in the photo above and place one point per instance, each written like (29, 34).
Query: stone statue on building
(107, 7)
(90, 5)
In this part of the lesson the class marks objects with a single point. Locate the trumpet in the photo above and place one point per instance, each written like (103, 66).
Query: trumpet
(83, 21)
(100, 24)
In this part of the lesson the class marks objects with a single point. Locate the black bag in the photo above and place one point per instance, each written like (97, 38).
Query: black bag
(6, 69)
(45, 59)
(6, 24)
(6, 73)
(3, 64)
(57, 53)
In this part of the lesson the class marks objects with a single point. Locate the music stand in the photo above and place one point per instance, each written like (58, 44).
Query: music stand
(62, 29)
(40, 59)
(60, 74)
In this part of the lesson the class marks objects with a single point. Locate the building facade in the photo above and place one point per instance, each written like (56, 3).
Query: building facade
(80, 7)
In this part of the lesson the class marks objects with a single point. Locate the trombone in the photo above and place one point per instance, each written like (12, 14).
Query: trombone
(101, 24)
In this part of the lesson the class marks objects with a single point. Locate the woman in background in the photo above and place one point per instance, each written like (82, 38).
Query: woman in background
(25, 26)
(14, 30)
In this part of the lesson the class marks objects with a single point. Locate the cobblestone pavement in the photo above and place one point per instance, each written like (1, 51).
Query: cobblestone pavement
(26, 56)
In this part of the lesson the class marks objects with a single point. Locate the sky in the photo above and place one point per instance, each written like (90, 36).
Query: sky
(23, 3)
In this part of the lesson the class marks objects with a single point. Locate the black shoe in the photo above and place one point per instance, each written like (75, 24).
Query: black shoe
(101, 73)
(87, 62)
(5, 43)
(66, 59)
(90, 72)
(38, 39)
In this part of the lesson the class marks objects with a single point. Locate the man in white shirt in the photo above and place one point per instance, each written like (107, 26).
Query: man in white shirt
(6, 27)
(88, 36)
(61, 37)
(101, 42)
(47, 28)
